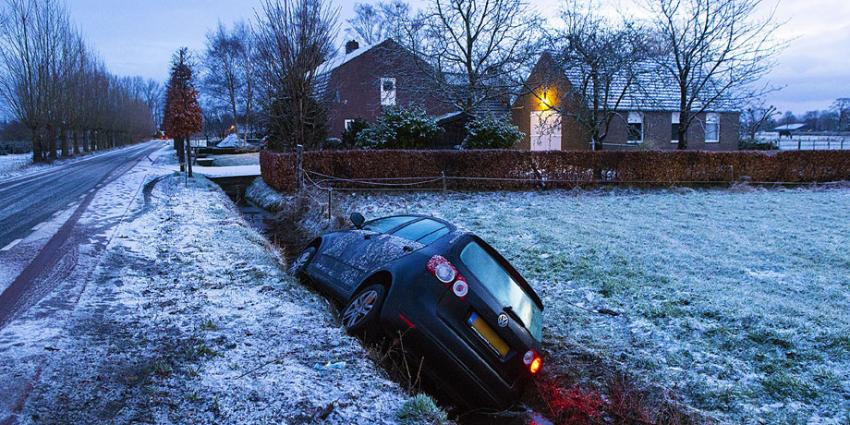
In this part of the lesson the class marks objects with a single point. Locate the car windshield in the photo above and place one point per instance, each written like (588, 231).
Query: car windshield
(423, 231)
(384, 225)
(498, 281)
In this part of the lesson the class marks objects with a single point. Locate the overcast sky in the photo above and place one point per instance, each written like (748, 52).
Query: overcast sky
(138, 38)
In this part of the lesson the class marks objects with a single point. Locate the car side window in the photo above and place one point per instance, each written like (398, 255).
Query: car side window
(384, 225)
(419, 229)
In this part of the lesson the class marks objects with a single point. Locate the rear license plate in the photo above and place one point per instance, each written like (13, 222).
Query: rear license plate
(488, 334)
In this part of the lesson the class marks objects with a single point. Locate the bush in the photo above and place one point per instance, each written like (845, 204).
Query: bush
(349, 136)
(514, 169)
(400, 128)
(490, 132)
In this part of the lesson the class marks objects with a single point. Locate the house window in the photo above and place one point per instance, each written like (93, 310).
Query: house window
(635, 127)
(348, 124)
(388, 92)
(712, 128)
(674, 131)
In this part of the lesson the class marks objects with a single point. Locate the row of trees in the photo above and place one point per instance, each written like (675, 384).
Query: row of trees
(55, 86)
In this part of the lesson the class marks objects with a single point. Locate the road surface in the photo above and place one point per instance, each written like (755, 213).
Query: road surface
(30, 201)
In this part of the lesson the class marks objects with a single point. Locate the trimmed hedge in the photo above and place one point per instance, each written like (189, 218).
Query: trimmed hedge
(513, 169)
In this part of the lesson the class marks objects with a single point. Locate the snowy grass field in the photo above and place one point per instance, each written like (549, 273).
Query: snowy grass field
(736, 301)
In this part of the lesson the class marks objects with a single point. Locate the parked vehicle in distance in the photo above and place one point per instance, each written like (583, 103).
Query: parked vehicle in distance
(457, 302)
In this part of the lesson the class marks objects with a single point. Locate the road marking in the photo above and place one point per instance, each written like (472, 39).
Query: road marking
(11, 245)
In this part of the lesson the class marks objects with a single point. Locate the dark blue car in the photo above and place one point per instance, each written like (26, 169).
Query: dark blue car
(457, 302)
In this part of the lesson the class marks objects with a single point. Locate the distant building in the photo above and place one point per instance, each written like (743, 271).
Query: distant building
(789, 130)
(647, 116)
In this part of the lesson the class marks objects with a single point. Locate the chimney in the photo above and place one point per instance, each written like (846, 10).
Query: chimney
(351, 46)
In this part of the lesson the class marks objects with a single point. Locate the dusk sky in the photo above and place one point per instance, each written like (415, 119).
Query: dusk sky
(138, 38)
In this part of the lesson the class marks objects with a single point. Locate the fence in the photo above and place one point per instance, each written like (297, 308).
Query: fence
(806, 142)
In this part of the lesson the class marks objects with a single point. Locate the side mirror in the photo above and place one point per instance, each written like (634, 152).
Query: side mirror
(358, 220)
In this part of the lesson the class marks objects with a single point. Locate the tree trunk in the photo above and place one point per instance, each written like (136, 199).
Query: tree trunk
(181, 153)
(36, 146)
(76, 142)
(51, 143)
(66, 145)
(189, 156)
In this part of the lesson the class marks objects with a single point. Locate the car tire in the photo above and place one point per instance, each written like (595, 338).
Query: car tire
(360, 316)
(299, 264)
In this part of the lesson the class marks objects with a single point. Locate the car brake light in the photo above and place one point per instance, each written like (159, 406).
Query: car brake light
(535, 365)
(447, 273)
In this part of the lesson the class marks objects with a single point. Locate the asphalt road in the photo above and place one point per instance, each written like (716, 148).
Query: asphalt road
(28, 201)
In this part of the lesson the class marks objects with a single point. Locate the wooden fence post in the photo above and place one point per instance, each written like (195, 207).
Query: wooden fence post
(299, 168)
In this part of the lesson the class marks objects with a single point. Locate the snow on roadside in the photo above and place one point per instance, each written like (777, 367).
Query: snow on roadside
(13, 163)
(190, 318)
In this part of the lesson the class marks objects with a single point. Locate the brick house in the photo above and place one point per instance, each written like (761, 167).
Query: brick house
(365, 81)
(647, 117)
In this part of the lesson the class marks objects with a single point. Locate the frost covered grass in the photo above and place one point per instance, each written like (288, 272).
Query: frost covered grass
(191, 319)
(735, 301)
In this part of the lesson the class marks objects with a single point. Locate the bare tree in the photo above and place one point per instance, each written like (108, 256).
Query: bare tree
(604, 63)
(294, 39)
(373, 23)
(756, 118)
(842, 108)
(476, 51)
(224, 71)
(715, 50)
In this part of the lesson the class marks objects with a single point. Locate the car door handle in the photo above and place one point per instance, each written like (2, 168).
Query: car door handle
(408, 248)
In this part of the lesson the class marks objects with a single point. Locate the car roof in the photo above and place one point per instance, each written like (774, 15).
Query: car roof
(415, 218)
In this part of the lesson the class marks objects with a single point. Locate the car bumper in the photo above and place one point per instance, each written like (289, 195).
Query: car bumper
(460, 370)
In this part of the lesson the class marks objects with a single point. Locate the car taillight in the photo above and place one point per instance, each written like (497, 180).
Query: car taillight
(447, 273)
(533, 361)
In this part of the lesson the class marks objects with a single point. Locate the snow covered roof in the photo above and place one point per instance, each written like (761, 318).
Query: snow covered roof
(324, 77)
(789, 127)
(652, 88)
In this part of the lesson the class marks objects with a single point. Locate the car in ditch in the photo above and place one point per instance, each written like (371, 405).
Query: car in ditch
(459, 306)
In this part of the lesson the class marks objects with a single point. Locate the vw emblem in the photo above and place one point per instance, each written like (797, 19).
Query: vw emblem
(503, 320)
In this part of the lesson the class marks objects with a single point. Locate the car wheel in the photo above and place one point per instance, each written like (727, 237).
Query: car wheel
(360, 316)
(300, 263)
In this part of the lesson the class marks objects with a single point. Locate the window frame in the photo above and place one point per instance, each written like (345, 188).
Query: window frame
(389, 97)
(676, 120)
(347, 124)
(630, 121)
(712, 119)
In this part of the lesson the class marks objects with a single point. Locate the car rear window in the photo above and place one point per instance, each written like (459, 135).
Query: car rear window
(420, 230)
(384, 225)
(498, 281)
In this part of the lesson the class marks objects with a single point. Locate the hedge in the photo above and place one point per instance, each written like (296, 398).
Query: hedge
(513, 169)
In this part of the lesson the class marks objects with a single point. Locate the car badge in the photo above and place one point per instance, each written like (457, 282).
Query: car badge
(503, 320)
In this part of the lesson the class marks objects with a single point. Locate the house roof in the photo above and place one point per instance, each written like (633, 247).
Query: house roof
(789, 127)
(651, 88)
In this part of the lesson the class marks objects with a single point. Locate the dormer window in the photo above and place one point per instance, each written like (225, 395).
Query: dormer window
(388, 92)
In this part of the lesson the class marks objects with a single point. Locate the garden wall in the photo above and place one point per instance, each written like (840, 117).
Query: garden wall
(513, 169)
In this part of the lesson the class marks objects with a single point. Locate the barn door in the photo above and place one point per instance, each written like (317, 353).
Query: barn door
(545, 131)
